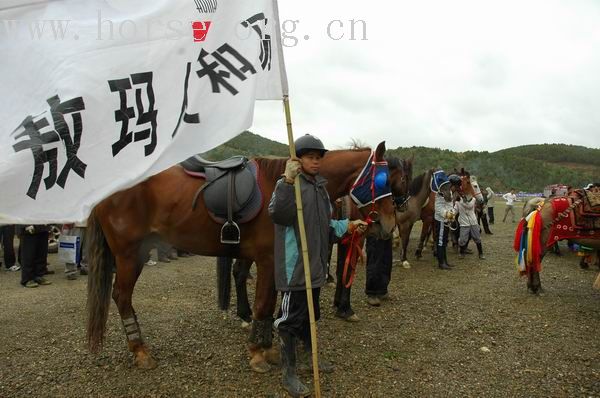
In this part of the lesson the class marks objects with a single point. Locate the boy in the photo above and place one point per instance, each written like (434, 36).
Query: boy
(293, 320)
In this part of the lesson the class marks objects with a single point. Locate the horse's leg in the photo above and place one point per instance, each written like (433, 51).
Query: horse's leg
(406, 230)
(533, 282)
(260, 342)
(128, 271)
(425, 230)
(241, 269)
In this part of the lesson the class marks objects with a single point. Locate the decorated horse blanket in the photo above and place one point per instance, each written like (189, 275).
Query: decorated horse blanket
(576, 216)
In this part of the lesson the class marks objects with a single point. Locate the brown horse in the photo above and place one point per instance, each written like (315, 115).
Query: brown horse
(409, 211)
(400, 176)
(123, 227)
(400, 171)
(464, 187)
(575, 220)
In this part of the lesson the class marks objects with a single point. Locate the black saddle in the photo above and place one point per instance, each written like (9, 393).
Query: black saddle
(230, 191)
(197, 164)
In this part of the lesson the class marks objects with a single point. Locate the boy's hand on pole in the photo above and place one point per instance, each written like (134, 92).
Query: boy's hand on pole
(292, 168)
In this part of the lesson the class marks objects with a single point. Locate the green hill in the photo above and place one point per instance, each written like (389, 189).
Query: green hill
(248, 144)
(526, 168)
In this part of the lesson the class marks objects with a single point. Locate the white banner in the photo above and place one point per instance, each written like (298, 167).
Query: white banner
(99, 95)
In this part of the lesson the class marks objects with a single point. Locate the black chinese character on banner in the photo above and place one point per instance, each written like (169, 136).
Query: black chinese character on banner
(190, 118)
(144, 116)
(36, 139)
(259, 24)
(220, 77)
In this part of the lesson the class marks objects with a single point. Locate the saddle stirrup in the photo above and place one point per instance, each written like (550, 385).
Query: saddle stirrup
(230, 231)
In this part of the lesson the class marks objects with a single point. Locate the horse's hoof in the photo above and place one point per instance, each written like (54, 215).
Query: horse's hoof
(260, 366)
(405, 264)
(246, 325)
(272, 356)
(145, 361)
(536, 291)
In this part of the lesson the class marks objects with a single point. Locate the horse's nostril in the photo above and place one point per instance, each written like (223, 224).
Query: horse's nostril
(373, 216)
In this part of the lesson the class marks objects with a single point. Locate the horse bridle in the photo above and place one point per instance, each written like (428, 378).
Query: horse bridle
(373, 216)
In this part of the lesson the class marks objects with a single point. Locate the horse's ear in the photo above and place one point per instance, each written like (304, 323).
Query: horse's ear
(380, 151)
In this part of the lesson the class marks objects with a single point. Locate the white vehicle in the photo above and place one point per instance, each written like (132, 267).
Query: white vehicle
(556, 190)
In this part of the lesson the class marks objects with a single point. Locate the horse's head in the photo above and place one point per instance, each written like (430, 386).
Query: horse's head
(443, 184)
(382, 211)
(476, 189)
(364, 174)
(466, 185)
(400, 175)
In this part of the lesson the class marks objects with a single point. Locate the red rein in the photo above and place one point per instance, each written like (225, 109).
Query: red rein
(354, 241)
(354, 252)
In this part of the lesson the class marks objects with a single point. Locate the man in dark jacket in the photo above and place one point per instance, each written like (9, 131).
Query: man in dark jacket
(34, 254)
(293, 320)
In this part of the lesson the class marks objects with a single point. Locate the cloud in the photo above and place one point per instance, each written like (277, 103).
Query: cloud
(461, 75)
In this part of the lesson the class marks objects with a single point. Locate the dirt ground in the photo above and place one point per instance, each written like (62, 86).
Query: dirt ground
(473, 331)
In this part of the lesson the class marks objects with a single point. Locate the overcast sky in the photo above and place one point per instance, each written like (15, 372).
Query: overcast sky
(459, 75)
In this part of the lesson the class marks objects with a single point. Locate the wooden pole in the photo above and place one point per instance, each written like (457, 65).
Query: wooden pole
(305, 260)
(597, 282)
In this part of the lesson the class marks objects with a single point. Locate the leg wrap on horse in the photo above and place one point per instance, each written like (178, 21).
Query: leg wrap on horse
(262, 333)
(132, 328)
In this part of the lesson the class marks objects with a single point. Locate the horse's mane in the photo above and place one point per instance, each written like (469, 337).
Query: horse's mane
(272, 168)
(415, 185)
(408, 166)
(462, 172)
(353, 148)
(395, 163)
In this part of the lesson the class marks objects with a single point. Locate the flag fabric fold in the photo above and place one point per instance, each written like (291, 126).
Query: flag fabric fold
(100, 95)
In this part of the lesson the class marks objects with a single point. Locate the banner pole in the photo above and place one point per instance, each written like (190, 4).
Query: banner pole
(305, 260)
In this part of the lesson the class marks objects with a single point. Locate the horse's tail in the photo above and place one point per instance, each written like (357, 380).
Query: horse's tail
(224, 281)
(101, 263)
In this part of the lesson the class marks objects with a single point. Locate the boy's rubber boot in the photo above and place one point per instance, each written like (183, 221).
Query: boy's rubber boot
(289, 378)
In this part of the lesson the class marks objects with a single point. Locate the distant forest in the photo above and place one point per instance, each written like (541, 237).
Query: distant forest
(527, 168)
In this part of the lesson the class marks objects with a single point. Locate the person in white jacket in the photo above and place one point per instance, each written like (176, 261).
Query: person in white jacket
(510, 198)
(469, 228)
(491, 198)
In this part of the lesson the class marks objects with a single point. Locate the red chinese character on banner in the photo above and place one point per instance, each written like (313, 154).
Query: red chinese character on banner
(200, 30)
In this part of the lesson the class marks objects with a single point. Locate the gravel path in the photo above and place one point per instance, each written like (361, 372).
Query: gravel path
(471, 332)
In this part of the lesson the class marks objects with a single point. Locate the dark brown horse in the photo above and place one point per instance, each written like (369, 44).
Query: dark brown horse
(123, 227)
(400, 176)
(568, 217)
